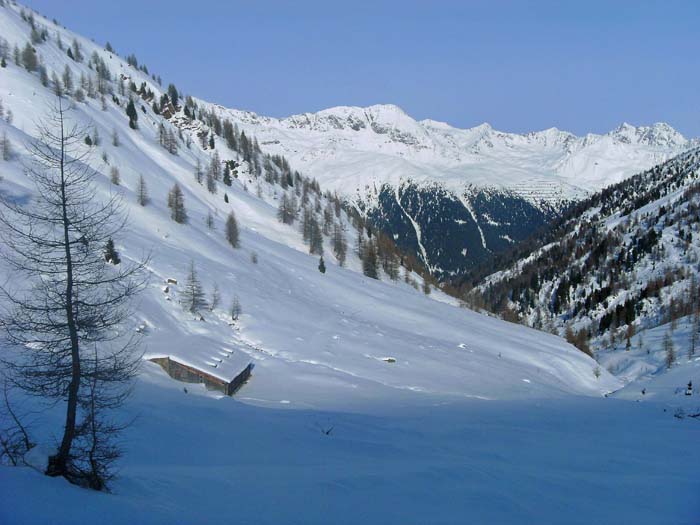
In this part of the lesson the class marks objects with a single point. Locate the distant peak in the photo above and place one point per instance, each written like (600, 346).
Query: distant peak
(658, 134)
(484, 127)
(389, 108)
(374, 109)
(438, 124)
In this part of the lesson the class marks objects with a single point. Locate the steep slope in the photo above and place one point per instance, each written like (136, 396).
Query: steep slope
(621, 261)
(308, 333)
(452, 233)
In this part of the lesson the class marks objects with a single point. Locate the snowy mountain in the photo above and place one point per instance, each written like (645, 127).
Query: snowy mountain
(352, 149)
(623, 261)
(368, 398)
(454, 197)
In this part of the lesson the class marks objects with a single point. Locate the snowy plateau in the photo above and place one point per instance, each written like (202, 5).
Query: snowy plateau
(369, 401)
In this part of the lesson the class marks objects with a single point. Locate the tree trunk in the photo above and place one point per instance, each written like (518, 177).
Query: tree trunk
(58, 464)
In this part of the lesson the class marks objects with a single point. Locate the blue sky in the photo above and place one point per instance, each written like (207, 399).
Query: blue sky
(521, 66)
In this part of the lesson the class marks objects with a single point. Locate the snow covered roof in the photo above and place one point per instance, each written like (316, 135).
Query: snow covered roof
(222, 362)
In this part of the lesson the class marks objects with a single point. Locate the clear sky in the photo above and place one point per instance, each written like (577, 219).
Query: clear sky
(519, 65)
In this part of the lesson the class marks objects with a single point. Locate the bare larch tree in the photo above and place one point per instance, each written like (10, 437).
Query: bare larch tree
(65, 308)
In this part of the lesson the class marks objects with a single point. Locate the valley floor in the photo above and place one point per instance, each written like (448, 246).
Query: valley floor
(193, 458)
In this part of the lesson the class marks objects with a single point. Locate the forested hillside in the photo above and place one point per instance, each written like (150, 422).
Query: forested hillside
(623, 260)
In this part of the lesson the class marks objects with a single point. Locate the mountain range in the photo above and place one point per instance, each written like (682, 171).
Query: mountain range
(355, 150)
(455, 197)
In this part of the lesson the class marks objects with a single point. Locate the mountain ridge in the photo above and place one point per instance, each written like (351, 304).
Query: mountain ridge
(646, 132)
(474, 177)
(353, 150)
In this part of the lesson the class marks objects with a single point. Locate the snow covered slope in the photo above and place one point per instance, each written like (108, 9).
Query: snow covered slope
(353, 149)
(577, 461)
(621, 262)
(408, 408)
(646, 366)
(316, 339)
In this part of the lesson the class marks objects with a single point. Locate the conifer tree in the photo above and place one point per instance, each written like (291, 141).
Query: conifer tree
(198, 175)
(286, 212)
(670, 353)
(215, 298)
(67, 80)
(161, 134)
(173, 95)
(132, 114)
(694, 333)
(211, 182)
(29, 58)
(44, 76)
(56, 85)
(235, 309)
(111, 254)
(360, 244)
(77, 51)
(192, 296)
(176, 203)
(215, 166)
(306, 218)
(339, 244)
(5, 147)
(35, 36)
(327, 219)
(315, 236)
(369, 260)
(114, 176)
(142, 192)
(232, 230)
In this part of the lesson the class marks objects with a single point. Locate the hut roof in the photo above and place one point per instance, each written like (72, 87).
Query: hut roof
(223, 361)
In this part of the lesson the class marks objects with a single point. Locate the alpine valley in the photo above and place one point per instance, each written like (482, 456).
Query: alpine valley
(207, 315)
(454, 197)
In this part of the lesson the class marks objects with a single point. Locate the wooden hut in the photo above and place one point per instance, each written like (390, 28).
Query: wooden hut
(228, 383)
